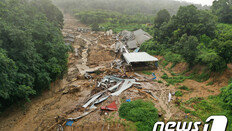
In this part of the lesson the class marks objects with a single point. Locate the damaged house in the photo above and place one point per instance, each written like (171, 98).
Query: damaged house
(132, 41)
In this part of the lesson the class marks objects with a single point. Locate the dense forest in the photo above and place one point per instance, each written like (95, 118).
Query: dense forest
(32, 52)
(119, 14)
(123, 6)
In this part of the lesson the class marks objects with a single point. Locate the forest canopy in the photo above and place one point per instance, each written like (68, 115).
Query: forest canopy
(32, 52)
(129, 7)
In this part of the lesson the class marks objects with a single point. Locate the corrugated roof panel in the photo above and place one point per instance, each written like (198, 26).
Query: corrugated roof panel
(132, 44)
(138, 57)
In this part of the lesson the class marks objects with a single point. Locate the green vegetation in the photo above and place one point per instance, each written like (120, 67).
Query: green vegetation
(147, 72)
(143, 113)
(210, 83)
(226, 96)
(105, 20)
(213, 105)
(223, 9)
(204, 76)
(159, 81)
(174, 58)
(175, 79)
(230, 81)
(32, 52)
(184, 88)
(194, 36)
(178, 93)
(123, 6)
(203, 108)
(121, 15)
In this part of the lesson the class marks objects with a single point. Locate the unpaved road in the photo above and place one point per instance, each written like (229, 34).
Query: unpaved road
(65, 95)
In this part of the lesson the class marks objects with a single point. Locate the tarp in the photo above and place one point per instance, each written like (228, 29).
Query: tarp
(69, 123)
(111, 107)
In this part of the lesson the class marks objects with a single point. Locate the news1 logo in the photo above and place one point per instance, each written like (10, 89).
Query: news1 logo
(219, 124)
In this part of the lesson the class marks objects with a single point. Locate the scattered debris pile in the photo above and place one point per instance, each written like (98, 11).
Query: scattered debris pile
(69, 39)
(108, 86)
(83, 29)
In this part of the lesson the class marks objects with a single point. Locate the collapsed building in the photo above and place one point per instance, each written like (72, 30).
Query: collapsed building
(134, 39)
(128, 48)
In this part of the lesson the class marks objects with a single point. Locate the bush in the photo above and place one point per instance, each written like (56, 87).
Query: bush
(210, 83)
(184, 88)
(212, 60)
(174, 58)
(164, 76)
(204, 76)
(230, 81)
(175, 79)
(226, 95)
(178, 93)
(143, 113)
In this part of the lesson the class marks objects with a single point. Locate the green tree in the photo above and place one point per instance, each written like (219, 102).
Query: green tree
(224, 49)
(161, 17)
(223, 10)
(187, 47)
(31, 44)
(210, 58)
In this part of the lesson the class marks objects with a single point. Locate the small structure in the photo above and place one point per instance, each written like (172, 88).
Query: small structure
(139, 57)
(140, 60)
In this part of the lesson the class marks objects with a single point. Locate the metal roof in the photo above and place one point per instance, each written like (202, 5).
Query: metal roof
(141, 32)
(132, 44)
(141, 39)
(138, 57)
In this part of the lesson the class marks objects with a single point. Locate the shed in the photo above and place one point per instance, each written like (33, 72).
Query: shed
(139, 57)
